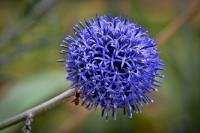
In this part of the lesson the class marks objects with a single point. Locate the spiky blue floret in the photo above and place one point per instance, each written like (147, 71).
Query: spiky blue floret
(114, 63)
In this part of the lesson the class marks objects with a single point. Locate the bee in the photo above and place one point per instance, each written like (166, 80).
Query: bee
(76, 101)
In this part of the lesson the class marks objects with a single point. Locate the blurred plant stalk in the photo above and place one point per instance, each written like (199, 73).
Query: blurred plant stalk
(162, 38)
(37, 12)
(37, 109)
(178, 23)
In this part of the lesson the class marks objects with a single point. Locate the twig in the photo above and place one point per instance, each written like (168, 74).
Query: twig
(178, 23)
(161, 39)
(27, 126)
(37, 109)
(40, 9)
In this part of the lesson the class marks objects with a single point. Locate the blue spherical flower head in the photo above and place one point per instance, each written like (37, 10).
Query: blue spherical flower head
(114, 63)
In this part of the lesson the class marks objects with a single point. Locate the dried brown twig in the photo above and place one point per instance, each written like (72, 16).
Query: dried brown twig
(162, 38)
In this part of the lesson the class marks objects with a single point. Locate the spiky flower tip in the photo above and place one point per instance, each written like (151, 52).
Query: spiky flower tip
(114, 63)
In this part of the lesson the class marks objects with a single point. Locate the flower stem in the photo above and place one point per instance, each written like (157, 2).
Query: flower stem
(37, 109)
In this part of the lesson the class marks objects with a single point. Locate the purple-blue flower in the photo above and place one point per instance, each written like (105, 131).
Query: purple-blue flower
(114, 64)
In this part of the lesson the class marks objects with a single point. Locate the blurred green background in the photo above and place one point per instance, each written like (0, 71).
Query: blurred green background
(30, 33)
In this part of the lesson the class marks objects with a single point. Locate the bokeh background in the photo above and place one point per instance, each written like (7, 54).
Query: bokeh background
(30, 35)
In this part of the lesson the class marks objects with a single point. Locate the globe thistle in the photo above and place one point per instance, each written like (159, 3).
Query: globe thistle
(113, 63)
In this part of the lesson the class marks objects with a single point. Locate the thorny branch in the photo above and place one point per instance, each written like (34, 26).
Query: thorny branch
(162, 38)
